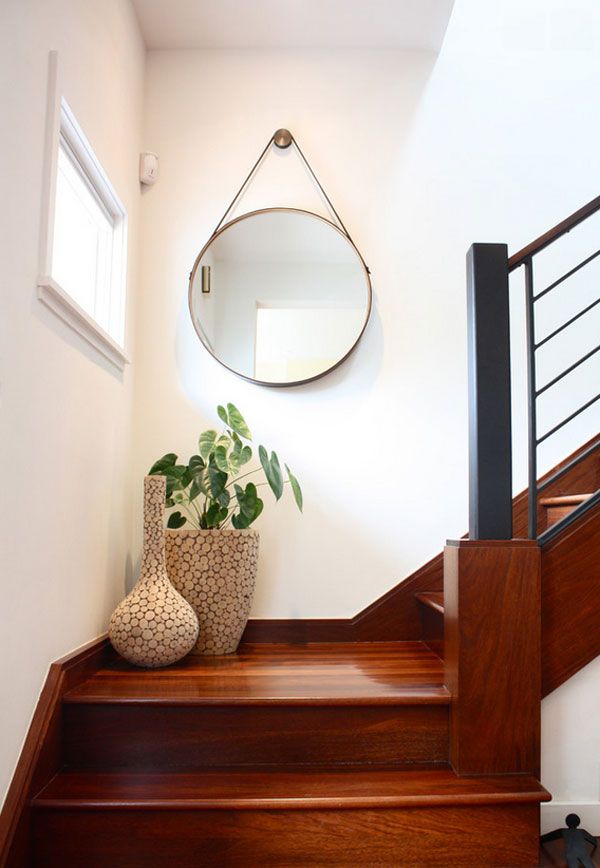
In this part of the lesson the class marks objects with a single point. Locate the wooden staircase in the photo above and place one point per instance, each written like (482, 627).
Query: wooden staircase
(389, 753)
(327, 754)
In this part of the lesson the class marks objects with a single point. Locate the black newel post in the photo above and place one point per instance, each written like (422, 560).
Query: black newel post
(490, 460)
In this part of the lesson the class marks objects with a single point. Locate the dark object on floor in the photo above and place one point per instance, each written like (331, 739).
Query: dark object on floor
(575, 842)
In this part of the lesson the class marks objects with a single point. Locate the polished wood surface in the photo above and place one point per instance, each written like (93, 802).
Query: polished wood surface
(433, 600)
(269, 704)
(570, 600)
(565, 500)
(397, 614)
(492, 653)
(454, 835)
(159, 737)
(379, 673)
(40, 756)
(283, 789)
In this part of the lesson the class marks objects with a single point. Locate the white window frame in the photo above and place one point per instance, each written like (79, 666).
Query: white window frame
(61, 124)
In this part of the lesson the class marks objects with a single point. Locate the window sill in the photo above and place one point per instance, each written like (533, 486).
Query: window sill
(70, 312)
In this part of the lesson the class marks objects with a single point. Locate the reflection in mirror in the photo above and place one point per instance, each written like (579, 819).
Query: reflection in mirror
(280, 296)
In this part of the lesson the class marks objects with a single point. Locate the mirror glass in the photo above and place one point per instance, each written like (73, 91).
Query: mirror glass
(280, 296)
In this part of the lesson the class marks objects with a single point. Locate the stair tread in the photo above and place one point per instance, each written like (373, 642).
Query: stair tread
(565, 500)
(306, 788)
(433, 599)
(384, 673)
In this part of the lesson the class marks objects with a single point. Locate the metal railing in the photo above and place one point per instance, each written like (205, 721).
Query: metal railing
(525, 259)
(490, 454)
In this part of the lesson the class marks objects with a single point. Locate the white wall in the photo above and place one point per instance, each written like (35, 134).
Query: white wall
(421, 159)
(65, 415)
(496, 140)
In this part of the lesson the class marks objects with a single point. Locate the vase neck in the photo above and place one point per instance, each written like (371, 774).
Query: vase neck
(154, 506)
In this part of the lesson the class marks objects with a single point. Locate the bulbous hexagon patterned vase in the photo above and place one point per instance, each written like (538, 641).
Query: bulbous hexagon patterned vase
(153, 626)
(215, 570)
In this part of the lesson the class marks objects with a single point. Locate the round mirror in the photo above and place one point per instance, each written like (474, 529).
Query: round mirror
(280, 296)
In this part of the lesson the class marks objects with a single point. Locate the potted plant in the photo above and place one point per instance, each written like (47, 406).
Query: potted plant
(211, 549)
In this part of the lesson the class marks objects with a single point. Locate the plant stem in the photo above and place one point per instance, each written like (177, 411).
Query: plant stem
(243, 476)
(190, 513)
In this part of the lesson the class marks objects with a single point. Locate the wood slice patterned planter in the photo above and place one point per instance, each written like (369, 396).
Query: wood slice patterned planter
(215, 570)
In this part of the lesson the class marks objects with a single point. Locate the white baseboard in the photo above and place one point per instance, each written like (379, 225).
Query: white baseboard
(554, 813)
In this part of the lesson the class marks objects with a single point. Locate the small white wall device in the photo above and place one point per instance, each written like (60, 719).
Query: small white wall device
(148, 168)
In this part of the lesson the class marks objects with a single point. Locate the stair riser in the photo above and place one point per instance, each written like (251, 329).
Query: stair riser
(498, 835)
(188, 738)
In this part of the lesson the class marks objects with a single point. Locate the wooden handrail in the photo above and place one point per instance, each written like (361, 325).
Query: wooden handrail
(551, 235)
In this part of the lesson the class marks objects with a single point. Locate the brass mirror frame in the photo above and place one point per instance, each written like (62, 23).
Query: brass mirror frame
(197, 325)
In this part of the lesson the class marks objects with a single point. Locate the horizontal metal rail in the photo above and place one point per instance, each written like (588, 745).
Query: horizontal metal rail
(558, 474)
(569, 519)
(568, 419)
(566, 275)
(567, 324)
(566, 371)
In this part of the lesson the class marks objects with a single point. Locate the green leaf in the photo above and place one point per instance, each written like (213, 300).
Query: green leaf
(221, 461)
(241, 522)
(196, 464)
(197, 469)
(250, 504)
(194, 491)
(234, 463)
(176, 519)
(215, 515)
(247, 499)
(206, 443)
(178, 476)
(237, 422)
(295, 488)
(272, 470)
(223, 414)
(217, 480)
(162, 464)
(239, 455)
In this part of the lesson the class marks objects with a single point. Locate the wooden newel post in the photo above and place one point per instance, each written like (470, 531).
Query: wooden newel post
(492, 623)
(490, 457)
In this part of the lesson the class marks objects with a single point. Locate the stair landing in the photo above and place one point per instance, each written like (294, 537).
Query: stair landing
(376, 673)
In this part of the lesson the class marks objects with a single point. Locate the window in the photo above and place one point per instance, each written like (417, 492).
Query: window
(84, 269)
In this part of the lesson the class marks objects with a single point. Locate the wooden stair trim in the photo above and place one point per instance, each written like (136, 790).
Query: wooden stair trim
(223, 789)
(39, 757)
(408, 696)
(565, 500)
(395, 615)
(433, 600)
